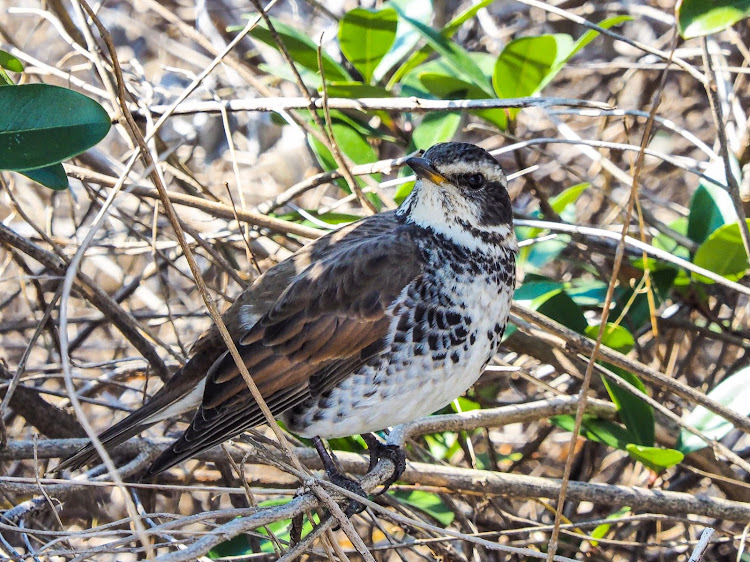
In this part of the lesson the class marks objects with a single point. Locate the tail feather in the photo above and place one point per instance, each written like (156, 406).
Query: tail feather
(170, 401)
(114, 436)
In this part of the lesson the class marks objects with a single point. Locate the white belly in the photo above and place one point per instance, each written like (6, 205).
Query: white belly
(405, 384)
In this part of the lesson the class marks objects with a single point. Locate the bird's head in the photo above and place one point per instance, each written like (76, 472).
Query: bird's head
(461, 192)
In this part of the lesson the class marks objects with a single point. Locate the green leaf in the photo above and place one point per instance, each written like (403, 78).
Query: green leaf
(531, 290)
(365, 36)
(302, 49)
(734, 393)
(595, 429)
(600, 531)
(406, 36)
(704, 17)
(428, 503)
(52, 176)
(637, 415)
(463, 17)
(454, 55)
(465, 405)
(350, 142)
(539, 254)
(588, 292)
(355, 90)
(711, 205)
(615, 337)
(558, 306)
(5, 79)
(9, 62)
(668, 244)
(526, 64)
(239, 545)
(568, 197)
(723, 253)
(403, 192)
(436, 127)
(420, 56)
(655, 458)
(592, 34)
(42, 125)
(448, 85)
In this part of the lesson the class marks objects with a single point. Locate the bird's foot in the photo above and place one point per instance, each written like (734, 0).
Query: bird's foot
(353, 506)
(337, 477)
(378, 451)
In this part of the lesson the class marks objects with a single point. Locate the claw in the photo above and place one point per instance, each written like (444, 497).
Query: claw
(337, 477)
(378, 451)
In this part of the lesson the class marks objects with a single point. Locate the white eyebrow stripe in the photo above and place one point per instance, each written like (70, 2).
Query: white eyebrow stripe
(457, 168)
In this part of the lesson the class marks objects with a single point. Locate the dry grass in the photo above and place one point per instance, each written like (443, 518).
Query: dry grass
(134, 309)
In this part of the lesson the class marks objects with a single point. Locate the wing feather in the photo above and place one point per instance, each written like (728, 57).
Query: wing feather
(333, 316)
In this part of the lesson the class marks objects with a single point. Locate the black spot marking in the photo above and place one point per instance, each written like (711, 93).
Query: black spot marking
(453, 318)
(432, 341)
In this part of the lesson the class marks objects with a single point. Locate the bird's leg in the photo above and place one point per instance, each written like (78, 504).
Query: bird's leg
(337, 477)
(392, 452)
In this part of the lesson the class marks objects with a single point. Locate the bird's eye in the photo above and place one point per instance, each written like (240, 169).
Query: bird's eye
(475, 181)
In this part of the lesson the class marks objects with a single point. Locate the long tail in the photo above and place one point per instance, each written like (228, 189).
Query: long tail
(172, 400)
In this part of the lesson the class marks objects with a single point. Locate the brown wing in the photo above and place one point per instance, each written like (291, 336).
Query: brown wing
(329, 321)
(176, 397)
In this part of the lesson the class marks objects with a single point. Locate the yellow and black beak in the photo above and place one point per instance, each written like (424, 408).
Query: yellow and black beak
(424, 169)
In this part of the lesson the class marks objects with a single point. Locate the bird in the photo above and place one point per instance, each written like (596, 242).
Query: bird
(378, 323)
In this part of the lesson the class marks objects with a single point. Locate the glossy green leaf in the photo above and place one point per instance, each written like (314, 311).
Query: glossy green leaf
(406, 36)
(592, 34)
(421, 55)
(615, 337)
(734, 393)
(52, 176)
(447, 86)
(427, 502)
(704, 17)
(664, 242)
(355, 90)
(724, 253)
(350, 142)
(655, 458)
(301, 48)
(9, 62)
(539, 254)
(637, 415)
(454, 55)
(588, 292)
(463, 404)
(558, 306)
(42, 125)
(438, 126)
(403, 192)
(595, 429)
(638, 315)
(568, 197)
(711, 206)
(600, 531)
(5, 80)
(526, 63)
(365, 36)
(531, 290)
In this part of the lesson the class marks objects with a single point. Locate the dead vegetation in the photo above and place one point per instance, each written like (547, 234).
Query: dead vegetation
(98, 296)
